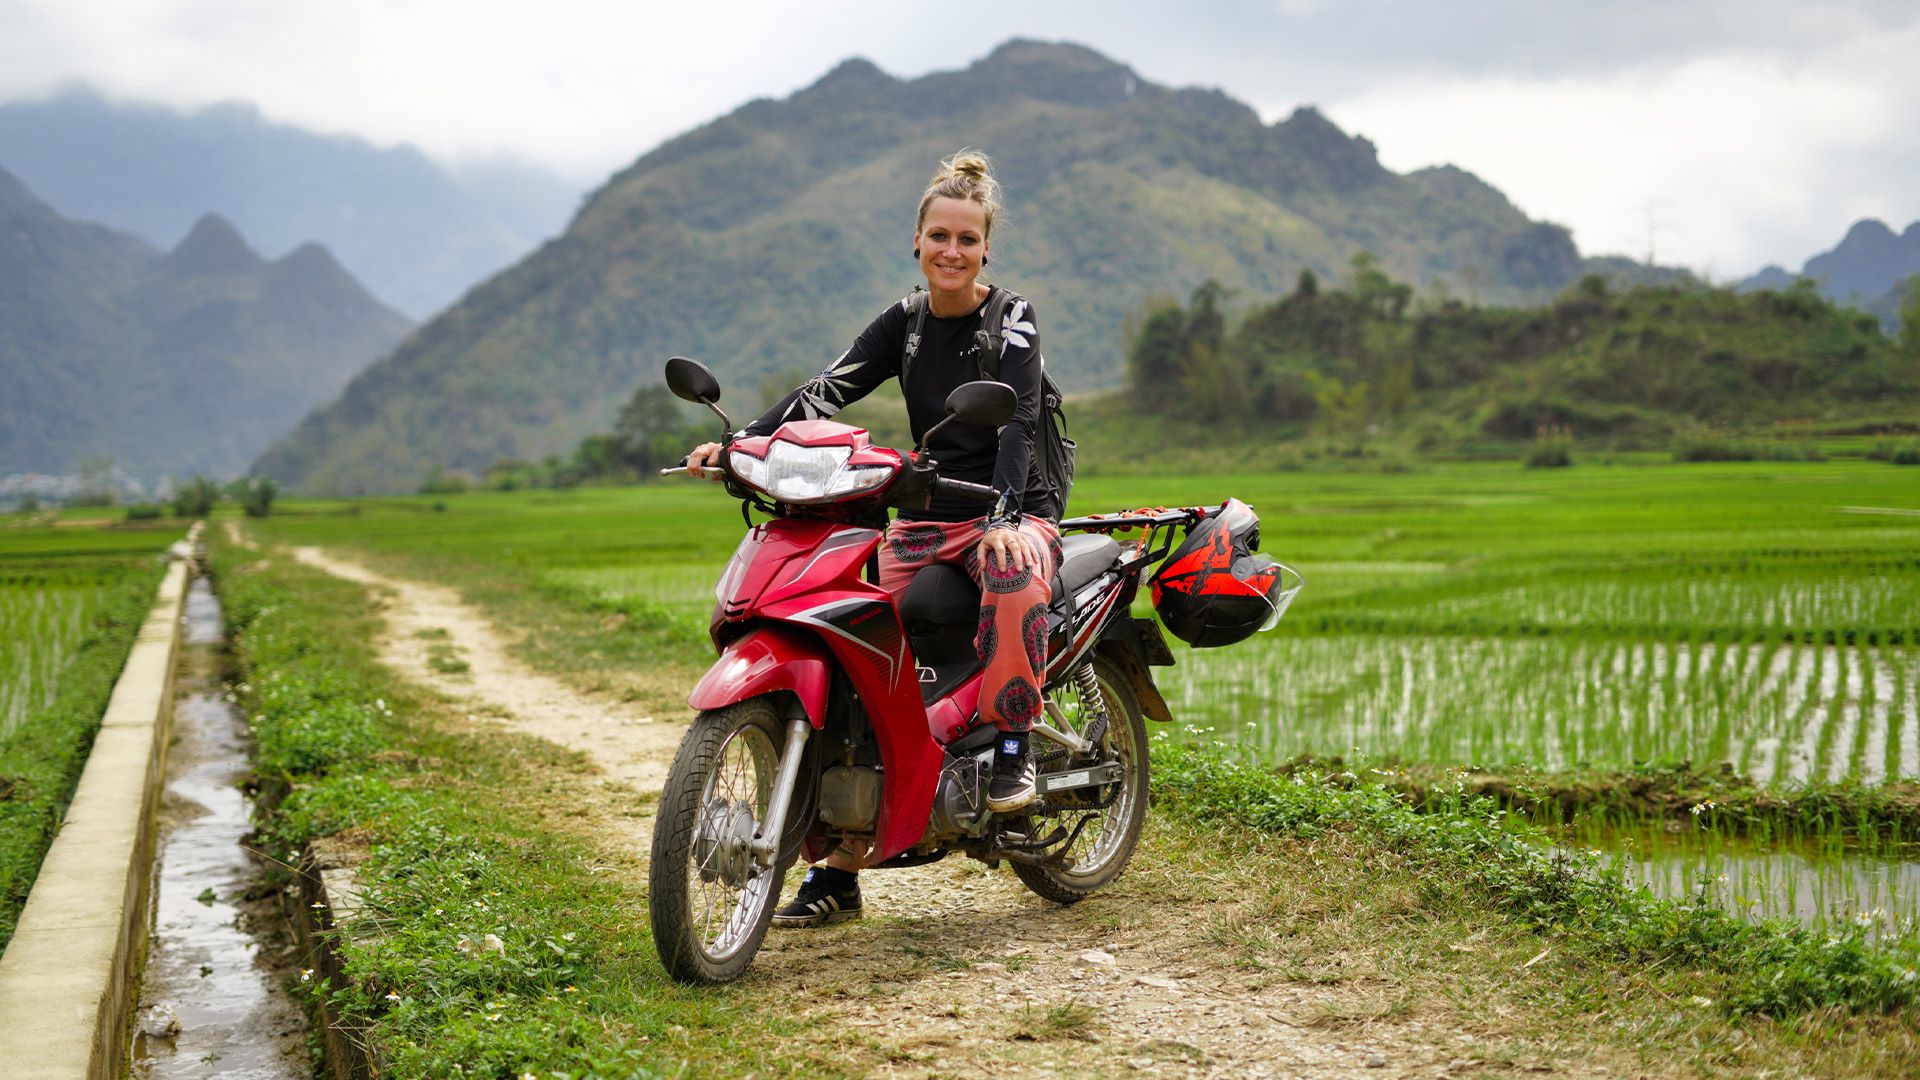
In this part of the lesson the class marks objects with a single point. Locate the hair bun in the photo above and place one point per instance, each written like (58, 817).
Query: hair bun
(968, 175)
(971, 164)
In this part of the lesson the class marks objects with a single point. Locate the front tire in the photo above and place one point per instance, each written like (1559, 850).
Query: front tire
(1106, 839)
(710, 901)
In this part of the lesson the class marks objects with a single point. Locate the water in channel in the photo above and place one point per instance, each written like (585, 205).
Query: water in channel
(208, 976)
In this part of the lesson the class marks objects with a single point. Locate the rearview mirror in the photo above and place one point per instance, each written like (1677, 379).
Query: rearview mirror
(982, 402)
(690, 380)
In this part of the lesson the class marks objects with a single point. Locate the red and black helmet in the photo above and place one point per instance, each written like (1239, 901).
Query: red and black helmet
(1213, 590)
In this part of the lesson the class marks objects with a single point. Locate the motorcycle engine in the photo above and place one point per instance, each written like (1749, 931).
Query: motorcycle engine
(850, 797)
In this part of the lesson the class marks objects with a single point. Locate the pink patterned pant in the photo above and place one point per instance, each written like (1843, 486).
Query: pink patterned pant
(1012, 639)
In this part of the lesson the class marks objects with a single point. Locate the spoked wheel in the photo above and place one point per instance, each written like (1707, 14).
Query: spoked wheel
(1102, 823)
(710, 900)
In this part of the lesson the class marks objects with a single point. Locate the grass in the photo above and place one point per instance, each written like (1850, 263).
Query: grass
(467, 835)
(71, 601)
(1775, 969)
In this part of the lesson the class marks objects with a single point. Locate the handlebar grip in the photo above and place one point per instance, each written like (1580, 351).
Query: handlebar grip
(979, 492)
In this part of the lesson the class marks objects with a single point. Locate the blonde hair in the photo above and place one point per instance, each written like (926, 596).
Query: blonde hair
(966, 175)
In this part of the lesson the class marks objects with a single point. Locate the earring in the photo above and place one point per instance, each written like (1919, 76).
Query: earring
(916, 253)
(983, 260)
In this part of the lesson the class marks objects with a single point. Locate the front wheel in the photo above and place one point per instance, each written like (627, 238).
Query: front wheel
(710, 899)
(1102, 835)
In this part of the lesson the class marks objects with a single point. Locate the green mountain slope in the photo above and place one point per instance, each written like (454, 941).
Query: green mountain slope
(175, 363)
(763, 241)
(1633, 366)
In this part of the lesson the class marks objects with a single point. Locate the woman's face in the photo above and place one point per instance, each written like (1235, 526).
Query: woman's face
(953, 243)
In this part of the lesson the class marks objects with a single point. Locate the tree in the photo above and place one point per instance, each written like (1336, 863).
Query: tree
(1910, 320)
(96, 483)
(195, 498)
(258, 500)
(1153, 365)
(649, 429)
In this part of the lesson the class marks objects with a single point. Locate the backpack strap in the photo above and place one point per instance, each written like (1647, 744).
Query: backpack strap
(917, 304)
(991, 338)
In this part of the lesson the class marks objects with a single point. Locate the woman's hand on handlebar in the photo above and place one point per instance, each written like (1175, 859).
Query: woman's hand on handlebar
(705, 456)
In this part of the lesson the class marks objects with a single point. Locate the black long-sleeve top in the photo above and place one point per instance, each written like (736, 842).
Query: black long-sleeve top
(948, 356)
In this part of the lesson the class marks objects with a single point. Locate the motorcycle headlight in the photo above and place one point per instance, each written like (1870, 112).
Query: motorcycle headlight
(807, 474)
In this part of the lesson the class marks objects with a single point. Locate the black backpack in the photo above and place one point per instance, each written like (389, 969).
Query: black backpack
(1050, 443)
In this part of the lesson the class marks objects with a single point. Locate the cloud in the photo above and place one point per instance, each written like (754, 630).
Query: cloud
(1752, 126)
(1728, 162)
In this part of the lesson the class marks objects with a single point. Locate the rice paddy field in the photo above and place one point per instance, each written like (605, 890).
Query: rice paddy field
(72, 597)
(54, 582)
(1760, 615)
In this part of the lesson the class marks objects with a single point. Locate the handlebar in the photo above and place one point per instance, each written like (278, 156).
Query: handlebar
(979, 492)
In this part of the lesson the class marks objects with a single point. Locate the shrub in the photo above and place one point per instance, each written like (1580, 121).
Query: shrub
(257, 499)
(1708, 445)
(1552, 448)
(195, 498)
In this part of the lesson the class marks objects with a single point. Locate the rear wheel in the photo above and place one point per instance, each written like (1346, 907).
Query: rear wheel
(1102, 823)
(709, 898)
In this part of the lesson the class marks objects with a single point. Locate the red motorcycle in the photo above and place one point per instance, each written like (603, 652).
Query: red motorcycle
(831, 716)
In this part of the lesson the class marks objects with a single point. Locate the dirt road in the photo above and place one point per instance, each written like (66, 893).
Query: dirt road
(958, 969)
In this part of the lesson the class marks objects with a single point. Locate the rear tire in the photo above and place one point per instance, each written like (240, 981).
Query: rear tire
(1101, 850)
(710, 902)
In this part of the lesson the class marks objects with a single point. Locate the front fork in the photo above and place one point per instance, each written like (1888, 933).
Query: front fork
(766, 843)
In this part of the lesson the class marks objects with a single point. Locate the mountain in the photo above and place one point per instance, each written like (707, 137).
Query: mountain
(1869, 261)
(417, 235)
(171, 363)
(763, 241)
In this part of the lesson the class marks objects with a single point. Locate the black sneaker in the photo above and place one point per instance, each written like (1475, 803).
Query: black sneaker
(823, 898)
(1011, 787)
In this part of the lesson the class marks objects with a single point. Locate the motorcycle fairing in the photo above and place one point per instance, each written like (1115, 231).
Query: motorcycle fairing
(806, 574)
(857, 622)
(768, 658)
(780, 557)
(952, 717)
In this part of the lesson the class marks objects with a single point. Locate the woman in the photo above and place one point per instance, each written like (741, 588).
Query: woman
(1010, 552)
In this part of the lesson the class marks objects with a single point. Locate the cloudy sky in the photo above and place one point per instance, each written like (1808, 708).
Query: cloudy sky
(1725, 133)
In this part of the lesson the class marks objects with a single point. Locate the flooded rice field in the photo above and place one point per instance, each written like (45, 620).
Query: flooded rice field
(1809, 879)
(1782, 713)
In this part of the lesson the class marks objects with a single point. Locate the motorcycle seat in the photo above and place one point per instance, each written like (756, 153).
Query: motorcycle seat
(1083, 557)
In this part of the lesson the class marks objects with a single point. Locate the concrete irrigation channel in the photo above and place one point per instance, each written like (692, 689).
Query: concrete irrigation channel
(132, 954)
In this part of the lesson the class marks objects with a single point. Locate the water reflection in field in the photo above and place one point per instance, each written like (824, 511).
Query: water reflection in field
(1779, 712)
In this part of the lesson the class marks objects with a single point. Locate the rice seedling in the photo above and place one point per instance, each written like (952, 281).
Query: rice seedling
(41, 624)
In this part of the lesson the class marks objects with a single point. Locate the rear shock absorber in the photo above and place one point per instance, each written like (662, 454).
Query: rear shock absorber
(1091, 699)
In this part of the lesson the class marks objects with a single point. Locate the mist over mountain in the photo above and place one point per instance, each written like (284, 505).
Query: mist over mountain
(171, 363)
(1866, 269)
(763, 241)
(417, 235)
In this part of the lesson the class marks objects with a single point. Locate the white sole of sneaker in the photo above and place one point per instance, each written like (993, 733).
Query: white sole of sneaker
(801, 922)
(1018, 802)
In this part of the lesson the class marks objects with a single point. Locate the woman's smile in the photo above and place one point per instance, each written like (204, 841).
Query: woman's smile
(952, 243)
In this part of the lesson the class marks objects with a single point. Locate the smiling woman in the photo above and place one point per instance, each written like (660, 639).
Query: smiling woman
(934, 341)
